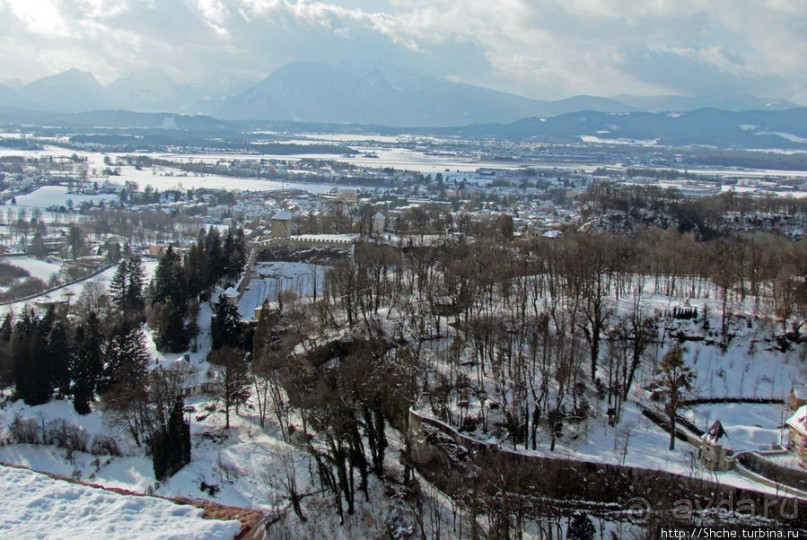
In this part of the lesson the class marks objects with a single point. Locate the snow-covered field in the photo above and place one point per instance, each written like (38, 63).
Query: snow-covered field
(238, 464)
(57, 195)
(74, 290)
(38, 268)
(37, 506)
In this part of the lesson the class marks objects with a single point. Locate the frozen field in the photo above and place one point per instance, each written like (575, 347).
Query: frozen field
(57, 195)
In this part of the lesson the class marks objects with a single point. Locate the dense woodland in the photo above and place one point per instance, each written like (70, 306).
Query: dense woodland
(525, 332)
(96, 350)
(456, 315)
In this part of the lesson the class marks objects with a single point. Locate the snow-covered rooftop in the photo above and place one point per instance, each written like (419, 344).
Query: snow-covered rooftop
(797, 421)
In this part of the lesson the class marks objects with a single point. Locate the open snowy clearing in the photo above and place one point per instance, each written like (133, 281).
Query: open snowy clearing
(37, 268)
(57, 196)
(38, 506)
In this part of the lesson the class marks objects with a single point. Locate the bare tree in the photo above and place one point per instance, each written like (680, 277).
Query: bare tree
(233, 385)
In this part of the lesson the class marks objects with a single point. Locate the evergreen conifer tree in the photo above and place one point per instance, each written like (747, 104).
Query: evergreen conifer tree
(30, 367)
(167, 293)
(126, 358)
(225, 325)
(171, 447)
(59, 352)
(87, 363)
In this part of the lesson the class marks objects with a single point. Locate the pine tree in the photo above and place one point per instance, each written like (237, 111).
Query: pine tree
(30, 367)
(674, 379)
(171, 446)
(135, 300)
(167, 292)
(172, 335)
(169, 279)
(87, 363)
(126, 288)
(59, 351)
(6, 368)
(7, 327)
(234, 251)
(126, 358)
(216, 258)
(197, 266)
(581, 528)
(119, 284)
(75, 241)
(225, 325)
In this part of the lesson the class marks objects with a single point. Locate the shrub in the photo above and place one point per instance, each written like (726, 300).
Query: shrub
(25, 431)
(104, 445)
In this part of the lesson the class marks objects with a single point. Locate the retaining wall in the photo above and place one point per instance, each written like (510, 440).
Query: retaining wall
(458, 464)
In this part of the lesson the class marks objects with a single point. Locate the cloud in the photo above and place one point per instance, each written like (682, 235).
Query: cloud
(539, 48)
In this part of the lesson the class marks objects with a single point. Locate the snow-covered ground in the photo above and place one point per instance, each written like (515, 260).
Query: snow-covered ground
(38, 268)
(272, 278)
(74, 290)
(749, 367)
(239, 464)
(57, 195)
(37, 506)
(635, 441)
(749, 426)
(245, 462)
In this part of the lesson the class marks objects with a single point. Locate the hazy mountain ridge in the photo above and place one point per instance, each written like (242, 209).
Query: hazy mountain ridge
(75, 91)
(378, 93)
(359, 91)
(705, 127)
(70, 91)
(115, 119)
(708, 127)
(369, 93)
(735, 103)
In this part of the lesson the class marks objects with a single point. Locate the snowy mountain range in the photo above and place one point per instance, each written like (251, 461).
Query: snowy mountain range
(361, 91)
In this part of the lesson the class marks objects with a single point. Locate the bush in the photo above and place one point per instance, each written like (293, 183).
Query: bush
(23, 288)
(104, 445)
(71, 438)
(25, 431)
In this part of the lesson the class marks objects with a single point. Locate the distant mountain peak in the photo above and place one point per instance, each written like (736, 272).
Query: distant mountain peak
(70, 91)
(371, 89)
(70, 76)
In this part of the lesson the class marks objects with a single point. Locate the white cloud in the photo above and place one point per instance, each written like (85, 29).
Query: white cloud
(40, 17)
(541, 48)
(216, 15)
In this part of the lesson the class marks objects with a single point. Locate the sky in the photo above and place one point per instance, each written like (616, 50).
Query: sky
(545, 49)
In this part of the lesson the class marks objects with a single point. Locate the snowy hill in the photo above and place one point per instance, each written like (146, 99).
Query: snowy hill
(37, 506)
